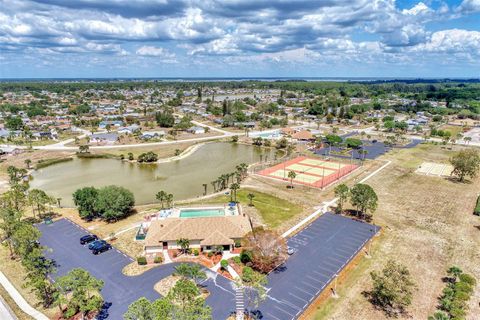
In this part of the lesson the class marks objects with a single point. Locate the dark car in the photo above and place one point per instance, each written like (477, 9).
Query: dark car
(101, 248)
(95, 243)
(88, 238)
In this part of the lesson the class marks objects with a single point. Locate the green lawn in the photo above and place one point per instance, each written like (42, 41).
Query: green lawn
(274, 211)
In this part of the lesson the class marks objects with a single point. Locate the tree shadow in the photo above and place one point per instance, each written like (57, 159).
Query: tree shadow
(389, 311)
(103, 313)
(358, 215)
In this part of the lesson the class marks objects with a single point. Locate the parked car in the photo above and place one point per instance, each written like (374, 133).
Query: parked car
(101, 248)
(95, 243)
(291, 250)
(88, 238)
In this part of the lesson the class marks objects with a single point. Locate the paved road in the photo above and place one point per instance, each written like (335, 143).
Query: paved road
(120, 290)
(324, 248)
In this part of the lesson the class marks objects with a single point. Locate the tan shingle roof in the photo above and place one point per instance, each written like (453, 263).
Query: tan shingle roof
(303, 135)
(216, 238)
(209, 229)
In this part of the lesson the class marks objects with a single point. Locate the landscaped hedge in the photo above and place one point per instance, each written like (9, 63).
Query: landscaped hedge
(477, 207)
(142, 261)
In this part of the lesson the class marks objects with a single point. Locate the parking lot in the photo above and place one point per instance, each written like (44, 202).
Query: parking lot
(374, 150)
(324, 248)
(119, 291)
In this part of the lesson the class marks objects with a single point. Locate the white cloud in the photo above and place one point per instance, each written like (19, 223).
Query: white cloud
(419, 8)
(469, 6)
(154, 52)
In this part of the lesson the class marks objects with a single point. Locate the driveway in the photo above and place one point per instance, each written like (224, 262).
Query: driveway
(62, 237)
(324, 248)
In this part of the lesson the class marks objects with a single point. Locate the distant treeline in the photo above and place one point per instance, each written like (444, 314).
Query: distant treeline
(419, 89)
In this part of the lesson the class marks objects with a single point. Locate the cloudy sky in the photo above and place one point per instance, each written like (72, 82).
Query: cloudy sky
(239, 38)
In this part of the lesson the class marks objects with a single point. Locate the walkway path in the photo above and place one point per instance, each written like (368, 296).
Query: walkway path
(5, 311)
(19, 300)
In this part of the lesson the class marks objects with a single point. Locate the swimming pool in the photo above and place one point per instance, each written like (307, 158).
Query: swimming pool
(207, 212)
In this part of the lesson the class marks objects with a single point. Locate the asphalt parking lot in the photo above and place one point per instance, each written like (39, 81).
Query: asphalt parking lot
(374, 150)
(324, 248)
(119, 291)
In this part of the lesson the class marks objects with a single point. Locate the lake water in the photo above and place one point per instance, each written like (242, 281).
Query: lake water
(183, 178)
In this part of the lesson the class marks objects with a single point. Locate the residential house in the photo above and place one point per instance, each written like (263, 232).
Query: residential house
(152, 134)
(196, 130)
(129, 130)
(107, 138)
(114, 123)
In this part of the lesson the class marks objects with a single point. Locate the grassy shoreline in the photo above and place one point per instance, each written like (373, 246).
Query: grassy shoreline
(48, 162)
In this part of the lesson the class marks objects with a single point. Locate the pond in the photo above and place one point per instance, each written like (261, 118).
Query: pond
(183, 178)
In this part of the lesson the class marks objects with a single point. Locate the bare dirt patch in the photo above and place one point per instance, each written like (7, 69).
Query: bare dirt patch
(166, 284)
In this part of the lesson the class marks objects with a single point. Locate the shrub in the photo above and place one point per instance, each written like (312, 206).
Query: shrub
(158, 259)
(196, 252)
(246, 256)
(237, 260)
(148, 157)
(210, 254)
(238, 243)
(247, 274)
(175, 254)
(224, 264)
(141, 261)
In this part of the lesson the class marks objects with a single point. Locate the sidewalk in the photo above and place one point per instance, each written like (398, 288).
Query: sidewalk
(28, 309)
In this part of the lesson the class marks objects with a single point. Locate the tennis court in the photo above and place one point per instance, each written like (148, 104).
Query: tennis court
(309, 171)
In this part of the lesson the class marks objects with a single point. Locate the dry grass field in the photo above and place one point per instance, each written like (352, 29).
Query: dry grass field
(428, 226)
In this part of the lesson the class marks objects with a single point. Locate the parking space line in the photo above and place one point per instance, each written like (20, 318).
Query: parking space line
(278, 308)
(309, 285)
(304, 291)
(271, 315)
(297, 297)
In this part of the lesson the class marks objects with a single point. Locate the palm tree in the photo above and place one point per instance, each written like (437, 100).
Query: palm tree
(28, 162)
(467, 139)
(363, 153)
(214, 185)
(233, 190)
(291, 175)
(169, 199)
(250, 197)
(184, 244)
(161, 196)
(204, 189)
(84, 148)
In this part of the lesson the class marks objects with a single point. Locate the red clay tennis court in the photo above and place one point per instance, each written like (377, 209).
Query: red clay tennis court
(309, 171)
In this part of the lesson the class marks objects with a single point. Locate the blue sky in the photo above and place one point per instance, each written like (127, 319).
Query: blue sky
(239, 38)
